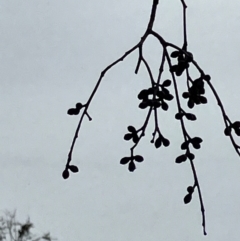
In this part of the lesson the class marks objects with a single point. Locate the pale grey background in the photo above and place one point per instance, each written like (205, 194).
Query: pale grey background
(52, 52)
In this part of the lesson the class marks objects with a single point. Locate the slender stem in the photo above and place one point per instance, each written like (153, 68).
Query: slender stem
(185, 134)
(143, 128)
(91, 97)
(225, 118)
(153, 14)
(161, 68)
(184, 25)
(139, 45)
(149, 71)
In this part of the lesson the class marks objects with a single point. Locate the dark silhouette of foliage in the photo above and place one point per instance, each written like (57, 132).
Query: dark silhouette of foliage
(156, 98)
(12, 230)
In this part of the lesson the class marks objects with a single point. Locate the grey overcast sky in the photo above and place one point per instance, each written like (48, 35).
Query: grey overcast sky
(52, 52)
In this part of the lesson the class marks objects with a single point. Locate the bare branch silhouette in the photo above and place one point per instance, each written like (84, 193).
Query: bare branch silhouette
(12, 230)
(156, 97)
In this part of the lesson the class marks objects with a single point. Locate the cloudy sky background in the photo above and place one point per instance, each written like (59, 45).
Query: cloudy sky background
(52, 53)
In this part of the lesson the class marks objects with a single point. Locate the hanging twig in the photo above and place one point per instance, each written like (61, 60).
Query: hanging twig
(156, 98)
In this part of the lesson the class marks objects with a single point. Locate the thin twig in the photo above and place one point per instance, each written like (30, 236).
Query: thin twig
(139, 45)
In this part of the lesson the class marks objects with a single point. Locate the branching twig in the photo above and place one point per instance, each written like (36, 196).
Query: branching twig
(157, 97)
